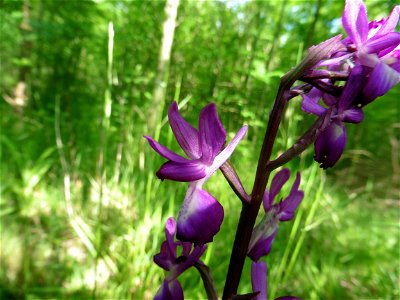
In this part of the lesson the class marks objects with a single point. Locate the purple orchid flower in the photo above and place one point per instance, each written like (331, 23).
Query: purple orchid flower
(372, 59)
(169, 260)
(201, 214)
(375, 37)
(204, 147)
(259, 282)
(372, 37)
(376, 46)
(265, 232)
(330, 144)
(360, 89)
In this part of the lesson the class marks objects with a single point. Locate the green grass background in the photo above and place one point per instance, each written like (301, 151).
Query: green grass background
(72, 228)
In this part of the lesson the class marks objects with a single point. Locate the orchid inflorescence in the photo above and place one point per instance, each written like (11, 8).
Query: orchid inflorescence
(340, 77)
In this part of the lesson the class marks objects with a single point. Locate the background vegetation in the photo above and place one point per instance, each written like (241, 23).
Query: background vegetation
(82, 213)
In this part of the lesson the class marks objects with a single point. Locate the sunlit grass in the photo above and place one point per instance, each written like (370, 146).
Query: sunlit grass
(348, 244)
(342, 245)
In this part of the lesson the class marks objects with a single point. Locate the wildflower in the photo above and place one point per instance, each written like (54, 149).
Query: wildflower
(265, 232)
(375, 45)
(372, 61)
(372, 37)
(169, 260)
(330, 144)
(204, 147)
(201, 214)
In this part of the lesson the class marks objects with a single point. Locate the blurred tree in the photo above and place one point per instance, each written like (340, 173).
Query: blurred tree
(161, 80)
(20, 98)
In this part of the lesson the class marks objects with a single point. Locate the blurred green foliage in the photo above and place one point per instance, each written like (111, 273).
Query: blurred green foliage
(74, 228)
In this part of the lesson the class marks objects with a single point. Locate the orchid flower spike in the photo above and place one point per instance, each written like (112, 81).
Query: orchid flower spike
(201, 215)
(372, 60)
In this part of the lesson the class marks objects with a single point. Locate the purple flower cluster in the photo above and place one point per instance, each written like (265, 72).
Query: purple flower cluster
(265, 232)
(201, 215)
(370, 56)
(169, 260)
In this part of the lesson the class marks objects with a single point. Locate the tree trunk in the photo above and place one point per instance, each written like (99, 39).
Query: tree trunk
(20, 98)
(277, 33)
(254, 43)
(161, 80)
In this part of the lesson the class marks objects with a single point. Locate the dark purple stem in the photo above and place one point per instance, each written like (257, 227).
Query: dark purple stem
(250, 210)
(324, 86)
(325, 74)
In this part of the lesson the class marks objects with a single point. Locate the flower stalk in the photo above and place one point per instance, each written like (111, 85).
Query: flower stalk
(250, 210)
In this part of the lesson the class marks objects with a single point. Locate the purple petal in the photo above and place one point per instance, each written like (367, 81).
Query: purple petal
(190, 260)
(390, 55)
(353, 115)
(200, 217)
(186, 248)
(259, 279)
(381, 43)
(352, 88)
(164, 151)
(262, 246)
(212, 133)
(266, 201)
(170, 291)
(186, 135)
(296, 184)
(291, 202)
(165, 259)
(330, 145)
(380, 81)
(277, 183)
(227, 152)
(355, 21)
(391, 22)
(170, 230)
(329, 100)
(396, 66)
(289, 205)
(310, 102)
(334, 61)
(186, 172)
(176, 290)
